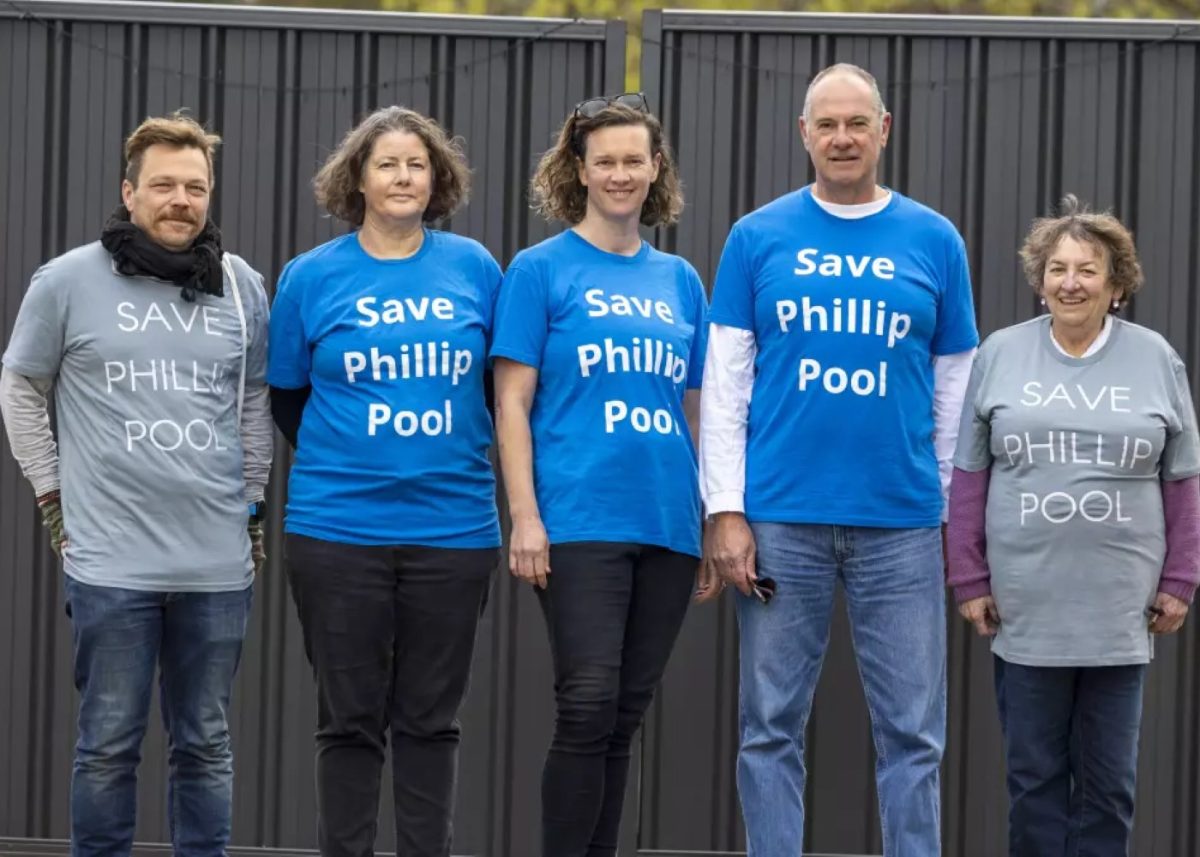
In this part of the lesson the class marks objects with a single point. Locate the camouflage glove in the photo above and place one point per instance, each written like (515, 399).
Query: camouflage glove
(52, 520)
(258, 550)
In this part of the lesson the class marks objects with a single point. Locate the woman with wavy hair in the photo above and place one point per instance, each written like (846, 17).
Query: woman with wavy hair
(599, 346)
(1074, 535)
(377, 355)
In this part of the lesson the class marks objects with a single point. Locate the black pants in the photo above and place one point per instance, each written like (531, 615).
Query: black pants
(389, 632)
(613, 612)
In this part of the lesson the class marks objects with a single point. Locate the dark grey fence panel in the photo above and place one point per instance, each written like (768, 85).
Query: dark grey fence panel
(281, 87)
(995, 119)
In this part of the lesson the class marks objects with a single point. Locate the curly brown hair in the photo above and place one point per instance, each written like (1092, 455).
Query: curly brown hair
(1100, 229)
(557, 193)
(336, 183)
(177, 130)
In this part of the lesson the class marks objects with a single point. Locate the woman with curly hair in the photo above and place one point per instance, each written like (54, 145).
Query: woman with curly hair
(599, 346)
(377, 356)
(1074, 532)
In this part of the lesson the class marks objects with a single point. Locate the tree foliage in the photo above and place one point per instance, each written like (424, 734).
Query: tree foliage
(630, 11)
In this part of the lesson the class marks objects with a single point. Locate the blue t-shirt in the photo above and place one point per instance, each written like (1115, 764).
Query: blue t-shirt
(616, 340)
(847, 315)
(393, 444)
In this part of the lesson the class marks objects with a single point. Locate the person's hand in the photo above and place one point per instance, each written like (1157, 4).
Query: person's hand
(52, 519)
(529, 551)
(732, 550)
(1169, 613)
(708, 583)
(258, 549)
(982, 613)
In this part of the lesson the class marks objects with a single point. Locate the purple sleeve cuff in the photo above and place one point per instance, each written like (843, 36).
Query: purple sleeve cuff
(967, 591)
(1181, 590)
(967, 570)
(1181, 515)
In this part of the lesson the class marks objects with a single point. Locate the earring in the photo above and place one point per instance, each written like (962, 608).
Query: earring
(1116, 304)
(1043, 301)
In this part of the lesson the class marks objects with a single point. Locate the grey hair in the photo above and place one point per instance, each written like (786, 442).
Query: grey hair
(849, 69)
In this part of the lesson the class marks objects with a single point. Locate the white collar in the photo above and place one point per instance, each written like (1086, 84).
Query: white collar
(856, 211)
(1097, 343)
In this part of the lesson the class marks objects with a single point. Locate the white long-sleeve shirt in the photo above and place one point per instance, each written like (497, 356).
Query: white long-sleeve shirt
(729, 383)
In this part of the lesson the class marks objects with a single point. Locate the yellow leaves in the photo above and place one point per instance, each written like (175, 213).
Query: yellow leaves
(631, 11)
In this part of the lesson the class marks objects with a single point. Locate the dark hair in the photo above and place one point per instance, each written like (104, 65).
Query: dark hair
(1101, 230)
(558, 194)
(336, 183)
(178, 130)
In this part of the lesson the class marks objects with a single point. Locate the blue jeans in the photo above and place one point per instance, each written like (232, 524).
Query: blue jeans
(1071, 745)
(893, 582)
(120, 637)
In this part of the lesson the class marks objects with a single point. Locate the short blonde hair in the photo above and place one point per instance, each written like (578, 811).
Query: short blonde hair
(336, 183)
(178, 130)
(1100, 229)
(557, 193)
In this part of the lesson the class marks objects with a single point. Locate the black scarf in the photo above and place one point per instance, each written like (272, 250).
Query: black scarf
(196, 269)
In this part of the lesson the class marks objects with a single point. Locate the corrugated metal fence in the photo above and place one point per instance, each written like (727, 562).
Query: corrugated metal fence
(994, 120)
(282, 88)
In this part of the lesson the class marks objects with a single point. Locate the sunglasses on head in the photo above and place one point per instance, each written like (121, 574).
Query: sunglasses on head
(763, 589)
(590, 107)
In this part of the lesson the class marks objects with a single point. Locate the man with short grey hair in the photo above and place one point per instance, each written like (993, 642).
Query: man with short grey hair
(840, 347)
(153, 342)
(851, 70)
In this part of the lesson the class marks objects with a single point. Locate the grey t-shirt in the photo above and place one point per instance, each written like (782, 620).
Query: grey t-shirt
(150, 454)
(1077, 449)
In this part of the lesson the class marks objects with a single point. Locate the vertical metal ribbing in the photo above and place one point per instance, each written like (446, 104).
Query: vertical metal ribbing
(974, 144)
(212, 91)
(900, 72)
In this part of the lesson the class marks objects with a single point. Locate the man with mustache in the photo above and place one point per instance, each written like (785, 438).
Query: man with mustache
(153, 342)
(841, 344)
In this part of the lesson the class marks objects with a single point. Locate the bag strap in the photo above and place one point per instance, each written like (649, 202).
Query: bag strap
(227, 265)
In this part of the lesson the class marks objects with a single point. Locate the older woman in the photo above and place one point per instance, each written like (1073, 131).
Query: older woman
(1074, 531)
(599, 344)
(377, 354)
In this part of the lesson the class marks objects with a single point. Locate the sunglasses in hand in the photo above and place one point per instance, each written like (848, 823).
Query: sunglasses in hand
(763, 589)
